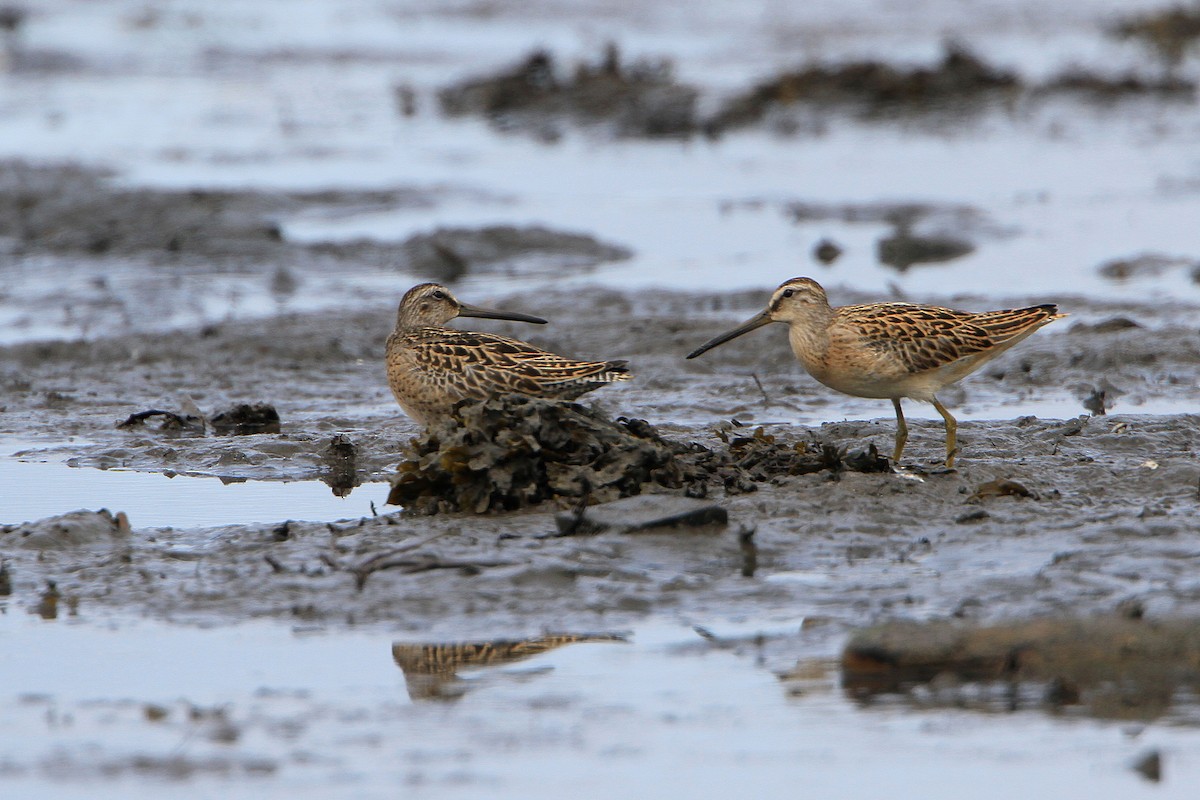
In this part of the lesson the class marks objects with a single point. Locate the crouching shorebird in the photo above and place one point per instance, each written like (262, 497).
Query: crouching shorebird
(890, 350)
(431, 367)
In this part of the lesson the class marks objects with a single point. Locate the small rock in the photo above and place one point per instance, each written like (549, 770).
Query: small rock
(154, 712)
(1072, 427)
(341, 471)
(284, 283)
(245, 419)
(1131, 608)
(406, 100)
(827, 251)
(642, 512)
(1000, 488)
(904, 249)
(1145, 265)
(1111, 325)
(1149, 766)
(1061, 692)
(11, 17)
(69, 530)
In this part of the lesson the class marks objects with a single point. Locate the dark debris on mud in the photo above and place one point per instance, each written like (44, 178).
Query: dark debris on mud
(245, 419)
(166, 421)
(876, 86)
(961, 82)
(513, 451)
(921, 233)
(902, 249)
(241, 419)
(636, 99)
(642, 99)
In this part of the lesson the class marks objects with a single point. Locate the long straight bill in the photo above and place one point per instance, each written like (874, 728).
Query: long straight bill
(757, 321)
(465, 310)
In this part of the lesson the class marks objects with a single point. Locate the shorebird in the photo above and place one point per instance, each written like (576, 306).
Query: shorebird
(890, 350)
(431, 367)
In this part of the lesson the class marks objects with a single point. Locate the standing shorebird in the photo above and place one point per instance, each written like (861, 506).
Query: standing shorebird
(431, 367)
(890, 350)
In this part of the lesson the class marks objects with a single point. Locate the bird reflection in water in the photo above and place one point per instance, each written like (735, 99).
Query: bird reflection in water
(431, 670)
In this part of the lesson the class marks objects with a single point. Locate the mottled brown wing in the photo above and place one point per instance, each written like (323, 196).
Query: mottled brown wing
(488, 364)
(929, 337)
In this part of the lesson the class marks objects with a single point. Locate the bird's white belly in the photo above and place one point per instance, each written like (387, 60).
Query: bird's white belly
(864, 383)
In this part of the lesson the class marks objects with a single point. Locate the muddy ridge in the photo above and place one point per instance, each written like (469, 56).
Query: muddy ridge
(74, 211)
(642, 99)
(1107, 506)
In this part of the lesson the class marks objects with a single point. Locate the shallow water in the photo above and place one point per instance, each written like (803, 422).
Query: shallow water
(301, 711)
(35, 490)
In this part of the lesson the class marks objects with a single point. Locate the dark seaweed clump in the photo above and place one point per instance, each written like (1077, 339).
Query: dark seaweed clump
(513, 451)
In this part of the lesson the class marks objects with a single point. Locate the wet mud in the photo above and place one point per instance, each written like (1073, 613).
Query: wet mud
(1078, 514)
(78, 211)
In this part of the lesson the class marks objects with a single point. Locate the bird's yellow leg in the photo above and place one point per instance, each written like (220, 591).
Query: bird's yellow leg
(901, 431)
(951, 432)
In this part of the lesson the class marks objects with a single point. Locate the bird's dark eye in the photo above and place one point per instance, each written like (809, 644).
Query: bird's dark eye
(788, 292)
(439, 295)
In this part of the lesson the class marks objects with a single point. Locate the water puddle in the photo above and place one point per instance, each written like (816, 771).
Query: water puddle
(838, 408)
(34, 490)
(303, 713)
